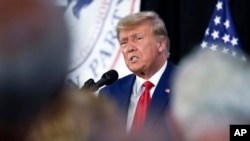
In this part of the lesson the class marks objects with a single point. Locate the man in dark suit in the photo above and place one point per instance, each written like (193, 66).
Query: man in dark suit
(145, 46)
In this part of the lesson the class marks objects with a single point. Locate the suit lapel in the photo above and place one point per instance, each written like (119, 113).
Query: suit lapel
(125, 93)
(160, 98)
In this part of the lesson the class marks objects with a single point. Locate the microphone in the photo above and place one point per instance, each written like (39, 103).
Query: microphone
(88, 85)
(107, 78)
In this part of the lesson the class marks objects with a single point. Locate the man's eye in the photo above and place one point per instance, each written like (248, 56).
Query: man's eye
(139, 38)
(123, 43)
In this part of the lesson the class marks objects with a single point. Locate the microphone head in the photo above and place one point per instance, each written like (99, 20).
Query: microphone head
(110, 76)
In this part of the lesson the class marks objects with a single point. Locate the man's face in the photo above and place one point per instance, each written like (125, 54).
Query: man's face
(141, 50)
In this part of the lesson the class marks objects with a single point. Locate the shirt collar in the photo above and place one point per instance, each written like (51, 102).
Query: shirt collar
(154, 79)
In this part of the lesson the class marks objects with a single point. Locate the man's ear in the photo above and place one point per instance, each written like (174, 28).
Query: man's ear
(158, 44)
(161, 45)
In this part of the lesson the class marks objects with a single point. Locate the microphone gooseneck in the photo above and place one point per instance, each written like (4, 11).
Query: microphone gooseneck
(107, 78)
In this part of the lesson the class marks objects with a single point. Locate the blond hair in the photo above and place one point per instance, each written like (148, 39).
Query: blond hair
(157, 25)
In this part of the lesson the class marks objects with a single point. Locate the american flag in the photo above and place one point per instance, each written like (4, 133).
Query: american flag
(220, 34)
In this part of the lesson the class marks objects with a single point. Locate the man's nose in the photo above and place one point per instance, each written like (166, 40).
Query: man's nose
(131, 46)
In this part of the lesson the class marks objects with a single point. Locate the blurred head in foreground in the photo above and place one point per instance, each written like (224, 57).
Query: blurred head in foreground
(34, 50)
(211, 92)
(34, 103)
(77, 116)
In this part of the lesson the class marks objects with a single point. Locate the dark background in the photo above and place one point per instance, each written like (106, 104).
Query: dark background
(187, 20)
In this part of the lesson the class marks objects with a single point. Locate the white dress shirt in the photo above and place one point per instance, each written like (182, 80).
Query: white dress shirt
(137, 91)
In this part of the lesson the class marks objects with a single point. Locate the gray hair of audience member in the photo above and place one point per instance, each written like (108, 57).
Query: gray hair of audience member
(211, 91)
(157, 24)
(34, 56)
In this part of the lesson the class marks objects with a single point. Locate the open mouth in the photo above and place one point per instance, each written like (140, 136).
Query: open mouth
(133, 58)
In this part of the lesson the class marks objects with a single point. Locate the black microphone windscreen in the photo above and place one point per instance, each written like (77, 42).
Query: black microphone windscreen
(110, 76)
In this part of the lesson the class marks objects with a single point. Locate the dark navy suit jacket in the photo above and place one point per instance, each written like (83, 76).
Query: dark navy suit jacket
(120, 91)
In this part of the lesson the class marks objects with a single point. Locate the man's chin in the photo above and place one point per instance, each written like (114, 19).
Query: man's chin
(134, 69)
(137, 71)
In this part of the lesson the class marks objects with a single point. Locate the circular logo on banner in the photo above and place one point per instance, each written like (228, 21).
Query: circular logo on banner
(85, 20)
(94, 45)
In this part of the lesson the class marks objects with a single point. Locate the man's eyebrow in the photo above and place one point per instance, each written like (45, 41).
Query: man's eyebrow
(136, 34)
(131, 35)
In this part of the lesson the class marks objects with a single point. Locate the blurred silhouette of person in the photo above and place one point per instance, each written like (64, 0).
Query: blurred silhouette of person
(35, 104)
(34, 50)
(211, 92)
(78, 117)
(145, 47)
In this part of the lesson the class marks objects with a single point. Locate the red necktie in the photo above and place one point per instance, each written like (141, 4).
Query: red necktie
(142, 107)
